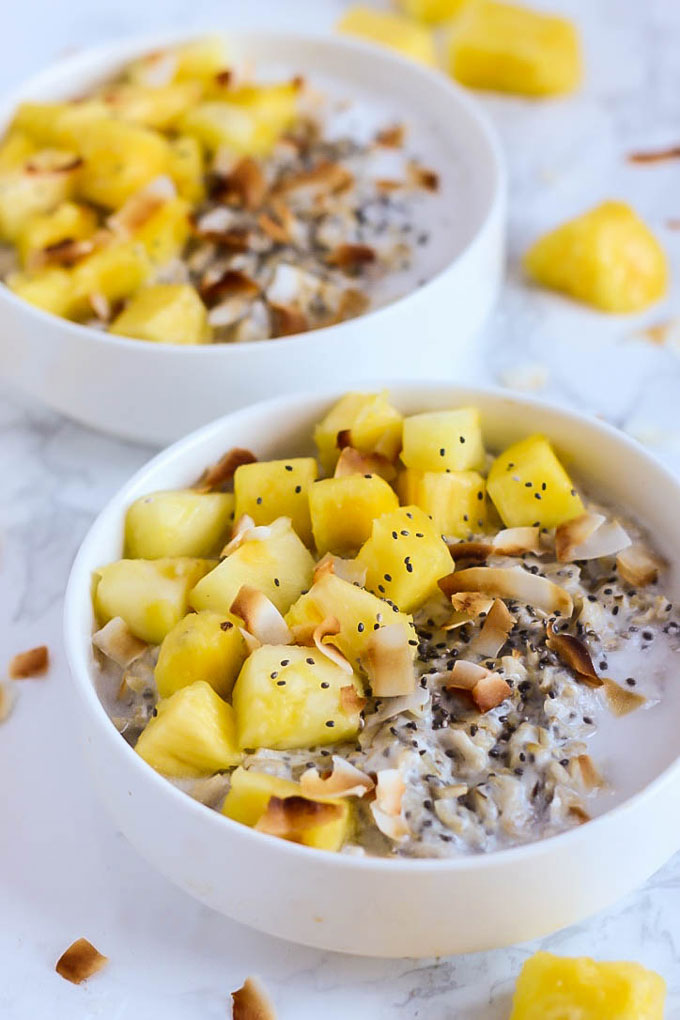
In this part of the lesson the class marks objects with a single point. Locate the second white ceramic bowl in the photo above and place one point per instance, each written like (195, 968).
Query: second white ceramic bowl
(374, 906)
(157, 392)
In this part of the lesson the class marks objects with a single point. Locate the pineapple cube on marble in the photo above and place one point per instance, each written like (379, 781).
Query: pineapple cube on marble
(343, 510)
(373, 424)
(443, 440)
(180, 522)
(407, 37)
(529, 486)
(170, 313)
(433, 11)
(202, 646)
(269, 489)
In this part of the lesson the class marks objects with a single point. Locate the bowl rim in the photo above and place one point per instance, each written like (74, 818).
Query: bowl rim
(129, 46)
(78, 587)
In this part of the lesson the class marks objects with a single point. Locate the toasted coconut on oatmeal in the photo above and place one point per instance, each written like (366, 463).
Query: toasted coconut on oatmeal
(118, 643)
(351, 257)
(391, 137)
(288, 320)
(583, 769)
(344, 781)
(465, 674)
(348, 570)
(389, 791)
(261, 617)
(223, 470)
(513, 583)
(621, 701)
(245, 530)
(230, 283)
(328, 628)
(477, 552)
(490, 691)
(100, 305)
(589, 537)
(638, 566)
(63, 253)
(229, 311)
(516, 541)
(578, 813)
(467, 606)
(141, 206)
(80, 961)
(350, 701)
(573, 533)
(389, 662)
(290, 817)
(574, 654)
(354, 462)
(495, 629)
(421, 177)
(326, 177)
(34, 662)
(245, 185)
(251, 1002)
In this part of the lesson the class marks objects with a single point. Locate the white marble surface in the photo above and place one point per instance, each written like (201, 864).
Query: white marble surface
(64, 871)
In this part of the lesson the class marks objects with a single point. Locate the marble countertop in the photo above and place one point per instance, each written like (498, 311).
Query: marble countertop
(64, 870)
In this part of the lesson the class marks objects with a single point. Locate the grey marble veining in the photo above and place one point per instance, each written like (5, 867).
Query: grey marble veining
(64, 871)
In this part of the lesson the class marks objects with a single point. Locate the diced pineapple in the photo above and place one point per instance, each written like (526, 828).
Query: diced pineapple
(15, 150)
(120, 159)
(374, 426)
(251, 791)
(57, 124)
(454, 500)
(287, 696)
(150, 595)
(358, 612)
(248, 120)
(68, 222)
(559, 988)
(185, 166)
(513, 49)
(115, 272)
(444, 440)
(166, 230)
(178, 523)
(201, 58)
(193, 734)
(529, 486)
(170, 313)
(202, 646)
(607, 257)
(49, 289)
(433, 11)
(276, 488)
(156, 107)
(37, 187)
(392, 30)
(343, 510)
(405, 557)
(279, 566)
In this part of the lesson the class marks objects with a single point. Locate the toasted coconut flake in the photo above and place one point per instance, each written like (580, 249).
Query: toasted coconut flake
(34, 662)
(583, 769)
(394, 828)
(223, 470)
(465, 675)
(100, 305)
(578, 813)
(251, 1002)
(638, 566)
(391, 137)
(53, 161)
(80, 961)
(609, 539)
(415, 703)
(490, 691)
(421, 177)
(351, 258)
(494, 632)
(655, 155)
(326, 177)
(328, 628)
(118, 643)
(229, 311)
(389, 662)
(291, 817)
(573, 533)
(389, 791)
(63, 253)
(510, 582)
(621, 701)
(252, 643)
(138, 209)
(344, 781)
(350, 701)
(7, 700)
(515, 541)
(478, 552)
(574, 654)
(288, 320)
(245, 530)
(230, 284)
(354, 462)
(274, 230)
(471, 603)
(261, 617)
(348, 570)
(246, 185)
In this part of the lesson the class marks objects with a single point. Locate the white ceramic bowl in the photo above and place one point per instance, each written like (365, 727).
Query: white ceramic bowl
(372, 906)
(158, 392)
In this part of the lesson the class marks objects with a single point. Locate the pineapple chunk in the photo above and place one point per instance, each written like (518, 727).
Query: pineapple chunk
(248, 120)
(358, 612)
(405, 557)
(392, 30)
(433, 11)
(49, 289)
(607, 257)
(529, 486)
(443, 440)
(512, 49)
(343, 510)
(178, 523)
(558, 988)
(455, 501)
(201, 58)
(15, 150)
(57, 124)
(120, 159)
(279, 566)
(170, 313)
(150, 595)
(68, 222)
(155, 107)
(277, 488)
(288, 697)
(166, 230)
(185, 166)
(374, 426)
(47, 180)
(202, 646)
(193, 734)
(115, 272)
(251, 791)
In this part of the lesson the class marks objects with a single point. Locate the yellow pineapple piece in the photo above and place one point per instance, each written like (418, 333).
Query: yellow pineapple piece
(513, 49)
(251, 791)
(392, 30)
(454, 500)
(119, 160)
(560, 988)
(156, 107)
(277, 488)
(443, 440)
(165, 231)
(170, 313)
(343, 510)
(202, 646)
(529, 486)
(287, 697)
(114, 271)
(404, 558)
(68, 222)
(57, 124)
(433, 11)
(193, 734)
(150, 595)
(279, 565)
(40, 185)
(373, 426)
(48, 289)
(15, 150)
(607, 257)
(201, 58)
(359, 613)
(185, 166)
(178, 523)
(248, 120)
